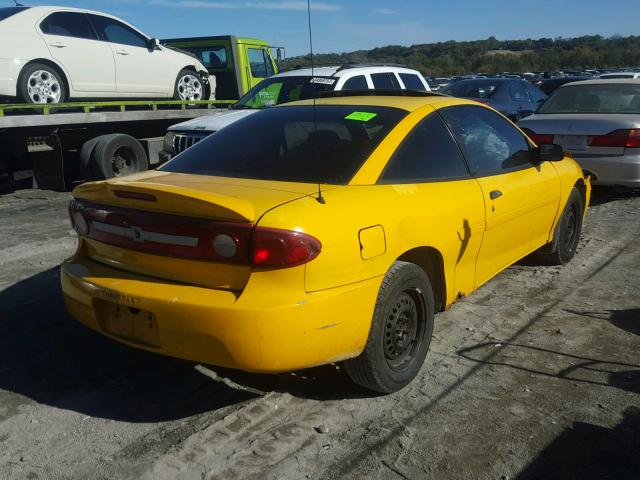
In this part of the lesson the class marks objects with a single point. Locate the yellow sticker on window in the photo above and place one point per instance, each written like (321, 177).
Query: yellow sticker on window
(361, 116)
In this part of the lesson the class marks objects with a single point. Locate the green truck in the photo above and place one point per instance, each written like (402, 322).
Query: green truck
(55, 146)
(235, 64)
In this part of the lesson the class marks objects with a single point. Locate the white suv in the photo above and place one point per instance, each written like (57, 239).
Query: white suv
(51, 54)
(298, 84)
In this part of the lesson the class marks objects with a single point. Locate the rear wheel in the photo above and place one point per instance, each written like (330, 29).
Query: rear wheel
(189, 86)
(40, 83)
(400, 331)
(567, 234)
(114, 155)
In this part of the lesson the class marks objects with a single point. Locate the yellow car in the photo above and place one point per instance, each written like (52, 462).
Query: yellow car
(304, 235)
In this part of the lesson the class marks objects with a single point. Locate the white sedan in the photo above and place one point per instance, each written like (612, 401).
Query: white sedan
(53, 54)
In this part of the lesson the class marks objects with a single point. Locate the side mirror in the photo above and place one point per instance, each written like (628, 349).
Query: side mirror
(547, 152)
(153, 44)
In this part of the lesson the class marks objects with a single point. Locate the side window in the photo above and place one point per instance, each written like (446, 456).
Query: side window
(257, 63)
(267, 63)
(68, 24)
(491, 144)
(411, 81)
(428, 153)
(111, 30)
(359, 82)
(518, 92)
(385, 81)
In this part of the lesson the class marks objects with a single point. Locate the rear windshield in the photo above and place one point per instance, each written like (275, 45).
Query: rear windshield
(473, 89)
(9, 11)
(211, 57)
(595, 98)
(292, 144)
(277, 90)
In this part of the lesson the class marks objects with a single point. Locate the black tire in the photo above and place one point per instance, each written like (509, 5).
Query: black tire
(400, 331)
(25, 78)
(85, 154)
(567, 235)
(116, 155)
(185, 72)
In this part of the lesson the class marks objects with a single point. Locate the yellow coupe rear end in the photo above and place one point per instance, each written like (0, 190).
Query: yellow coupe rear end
(291, 238)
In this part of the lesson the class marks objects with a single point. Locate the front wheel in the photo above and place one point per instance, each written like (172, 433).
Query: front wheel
(400, 331)
(40, 83)
(189, 86)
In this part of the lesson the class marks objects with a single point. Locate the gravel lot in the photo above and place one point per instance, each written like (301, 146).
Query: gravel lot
(534, 376)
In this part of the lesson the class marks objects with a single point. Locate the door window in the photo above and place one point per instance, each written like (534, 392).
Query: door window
(518, 92)
(411, 81)
(257, 63)
(428, 153)
(359, 82)
(111, 30)
(491, 144)
(68, 24)
(385, 81)
(267, 63)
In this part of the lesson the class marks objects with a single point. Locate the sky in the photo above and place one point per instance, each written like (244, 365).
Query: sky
(348, 25)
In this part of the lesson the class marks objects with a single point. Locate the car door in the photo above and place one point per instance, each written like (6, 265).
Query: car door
(445, 203)
(259, 64)
(140, 70)
(521, 199)
(73, 43)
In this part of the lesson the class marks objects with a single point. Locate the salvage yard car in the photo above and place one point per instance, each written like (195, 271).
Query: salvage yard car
(598, 121)
(52, 54)
(298, 84)
(308, 234)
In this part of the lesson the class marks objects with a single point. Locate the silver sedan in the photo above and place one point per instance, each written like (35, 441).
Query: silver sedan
(598, 122)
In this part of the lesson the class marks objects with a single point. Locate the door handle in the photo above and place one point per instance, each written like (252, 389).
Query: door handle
(495, 194)
(122, 52)
(58, 44)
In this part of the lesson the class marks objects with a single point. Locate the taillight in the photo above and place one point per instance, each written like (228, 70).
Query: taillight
(618, 138)
(274, 248)
(192, 238)
(538, 138)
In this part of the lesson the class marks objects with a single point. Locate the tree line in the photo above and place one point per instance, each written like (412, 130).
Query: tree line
(496, 56)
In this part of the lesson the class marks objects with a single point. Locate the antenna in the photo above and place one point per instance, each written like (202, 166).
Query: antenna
(319, 198)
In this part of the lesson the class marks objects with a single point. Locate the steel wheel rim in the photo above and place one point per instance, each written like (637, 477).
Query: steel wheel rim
(123, 162)
(571, 227)
(190, 88)
(43, 87)
(404, 327)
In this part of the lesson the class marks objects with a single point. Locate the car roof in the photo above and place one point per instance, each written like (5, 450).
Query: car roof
(404, 102)
(604, 81)
(339, 71)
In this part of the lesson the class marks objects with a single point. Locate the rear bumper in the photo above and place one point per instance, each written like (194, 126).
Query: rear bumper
(258, 331)
(621, 170)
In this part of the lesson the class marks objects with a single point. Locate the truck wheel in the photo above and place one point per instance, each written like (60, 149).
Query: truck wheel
(85, 154)
(400, 331)
(116, 155)
(189, 86)
(567, 234)
(40, 83)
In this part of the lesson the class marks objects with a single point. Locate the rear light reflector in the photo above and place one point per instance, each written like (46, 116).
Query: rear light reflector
(538, 138)
(617, 138)
(193, 238)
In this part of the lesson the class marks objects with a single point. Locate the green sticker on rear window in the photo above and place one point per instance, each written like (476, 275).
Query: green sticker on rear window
(361, 116)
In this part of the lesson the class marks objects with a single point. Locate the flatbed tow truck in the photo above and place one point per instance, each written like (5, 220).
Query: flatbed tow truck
(54, 146)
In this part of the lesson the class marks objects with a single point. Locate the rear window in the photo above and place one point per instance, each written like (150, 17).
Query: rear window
(10, 11)
(276, 90)
(292, 144)
(211, 57)
(594, 98)
(473, 88)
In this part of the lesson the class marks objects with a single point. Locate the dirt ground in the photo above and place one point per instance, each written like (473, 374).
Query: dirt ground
(534, 376)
